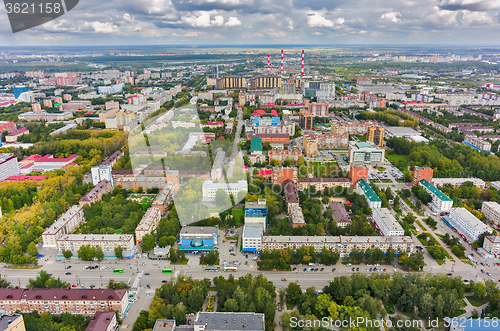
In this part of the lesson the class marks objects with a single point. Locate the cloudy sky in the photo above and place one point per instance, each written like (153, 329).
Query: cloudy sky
(233, 22)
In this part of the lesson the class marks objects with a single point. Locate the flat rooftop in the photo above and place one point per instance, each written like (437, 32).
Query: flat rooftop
(399, 131)
(198, 230)
(230, 321)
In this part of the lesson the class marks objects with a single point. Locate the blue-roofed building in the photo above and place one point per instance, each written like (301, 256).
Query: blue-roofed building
(256, 212)
(275, 121)
(18, 90)
(255, 120)
(472, 324)
(198, 239)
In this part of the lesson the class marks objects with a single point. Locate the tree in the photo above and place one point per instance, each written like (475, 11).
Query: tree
(98, 253)
(118, 286)
(172, 255)
(67, 253)
(202, 258)
(4, 283)
(86, 253)
(419, 205)
(119, 252)
(212, 258)
(32, 250)
(44, 280)
(221, 198)
(390, 255)
(148, 242)
(293, 292)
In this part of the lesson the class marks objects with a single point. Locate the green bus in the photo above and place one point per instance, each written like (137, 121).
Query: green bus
(167, 271)
(118, 270)
(211, 268)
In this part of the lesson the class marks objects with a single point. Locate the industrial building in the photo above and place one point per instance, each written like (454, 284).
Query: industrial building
(400, 131)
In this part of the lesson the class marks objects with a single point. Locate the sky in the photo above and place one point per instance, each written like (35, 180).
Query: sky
(250, 22)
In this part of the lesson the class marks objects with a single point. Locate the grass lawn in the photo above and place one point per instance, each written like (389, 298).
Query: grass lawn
(380, 168)
(394, 159)
(238, 214)
(362, 138)
(475, 302)
(421, 226)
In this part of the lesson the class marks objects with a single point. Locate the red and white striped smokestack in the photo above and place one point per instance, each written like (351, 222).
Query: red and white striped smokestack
(281, 61)
(302, 71)
(268, 64)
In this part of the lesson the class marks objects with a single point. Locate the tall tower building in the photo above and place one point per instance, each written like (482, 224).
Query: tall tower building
(306, 120)
(375, 134)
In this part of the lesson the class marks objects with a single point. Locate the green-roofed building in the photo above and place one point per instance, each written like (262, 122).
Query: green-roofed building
(363, 188)
(439, 199)
(256, 145)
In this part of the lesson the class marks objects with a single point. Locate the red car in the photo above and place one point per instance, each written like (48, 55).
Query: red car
(74, 285)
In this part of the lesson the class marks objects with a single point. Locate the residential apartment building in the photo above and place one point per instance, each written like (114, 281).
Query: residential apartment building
(341, 244)
(340, 140)
(133, 183)
(439, 199)
(310, 144)
(420, 173)
(220, 321)
(14, 322)
(102, 172)
(281, 155)
(281, 174)
(492, 244)
(209, 188)
(218, 166)
(375, 134)
(318, 109)
(306, 120)
(57, 301)
(103, 321)
(66, 224)
(163, 199)
(265, 82)
(491, 211)
(363, 188)
(107, 242)
(478, 182)
(148, 224)
(356, 173)
(231, 82)
(365, 153)
(296, 216)
(386, 223)
(95, 194)
(252, 238)
(8, 166)
(272, 138)
(340, 213)
(290, 193)
(322, 183)
(476, 142)
(466, 224)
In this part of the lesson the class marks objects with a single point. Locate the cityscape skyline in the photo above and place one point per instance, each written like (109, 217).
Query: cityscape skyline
(243, 22)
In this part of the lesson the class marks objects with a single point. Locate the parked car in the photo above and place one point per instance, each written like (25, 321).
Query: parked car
(68, 273)
(148, 286)
(334, 269)
(74, 285)
(68, 267)
(147, 274)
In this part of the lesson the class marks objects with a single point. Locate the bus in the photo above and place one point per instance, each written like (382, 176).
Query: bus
(167, 271)
(118, 270)
(212, 269)
(230, 269)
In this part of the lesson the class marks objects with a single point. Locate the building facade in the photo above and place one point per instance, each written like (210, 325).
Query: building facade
(95, 194)
(340, 213)
(466, 224)
(8, 166)
(280, 174)
(439, 199)
(148, 224)
(256, 212)
(252, 238)
(386, 223)
(209, 188)
(375, 134)
(66, 224)
(492, 244)
(107, 242)
(365, 153)
(322, 183)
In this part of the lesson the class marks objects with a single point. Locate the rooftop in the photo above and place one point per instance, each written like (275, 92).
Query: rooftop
(437, 192)
(401, 131)
(336, 239)
(198, 230)
(323, 180)
(6, 320)
(230, 321)
(96, 237)
(101, 320)
(61, 294)
(339, 212)
(390, 222)
(253, 231)
(368, 191)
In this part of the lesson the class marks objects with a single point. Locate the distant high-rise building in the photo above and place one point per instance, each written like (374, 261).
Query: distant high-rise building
(280, 174)
(375, 134)
(306, 120)
(318, 109)
(420, 173)
(310, 144)
(265, 82)
(8, 166)
(18, 90)
(231, 82)
(215, 71)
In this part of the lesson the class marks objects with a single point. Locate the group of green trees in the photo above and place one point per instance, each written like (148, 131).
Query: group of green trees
(177, 255)
(247, 293)
(46, 321)
(89, 253)
(175, 299)
(421, 194)
(212, 258)
(45, 280)
(281, 259)
(372, 256)
(456, 247)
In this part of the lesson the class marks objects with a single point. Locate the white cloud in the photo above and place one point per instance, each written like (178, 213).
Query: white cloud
(203, 20)
(316, 20)
(218, 21)
(391, 17)
(106, 27)
(233, 21)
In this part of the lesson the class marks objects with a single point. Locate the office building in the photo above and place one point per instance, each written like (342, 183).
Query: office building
(420, 173)
(66, 224)
(341, 244)
(103, 321)
(265, 82)
(386, 223)
(340, 214)
(102, 172)
(366, 153)
(14, 322)
(306, 120)
(491, 211)
(218, 166)
(57, 301)
(95, 194)
(363, 188)
(209, 188)
(375, 134)
(356, 173)
(281, 174)
(18, 90)
(107, 242)
(197, 232)
(148, 224)
(310, 144)
(231, 82)
(492, 244)
(439, 199)
(220, 321)
(321, 184)
(8, 166)
(466, 224)
(252, 238)
(256, 212)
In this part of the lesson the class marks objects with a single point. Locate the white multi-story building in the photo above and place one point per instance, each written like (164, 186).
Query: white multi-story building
(365, 153)
(209, 188)
(439, 199)
(386, 223)
(101, 172)
(66, 224)
(363, 188)
(107, 242)
(8, 166)
(477, 142)
(216, 173)
(492, 244)
(467, 224)
(491, 211)
(478, 182)
(252, 238)
(148, 224)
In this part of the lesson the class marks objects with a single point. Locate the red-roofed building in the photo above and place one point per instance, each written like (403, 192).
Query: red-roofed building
(29, 160)
(24, 178)
(9, 127)
(49, 162)
(265, 172)
(102, 321)
(12, 137)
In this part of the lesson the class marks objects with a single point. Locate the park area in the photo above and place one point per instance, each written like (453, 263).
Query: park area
(144, 199)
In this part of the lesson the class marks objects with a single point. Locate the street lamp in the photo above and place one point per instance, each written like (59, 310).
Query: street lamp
(101, 279)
